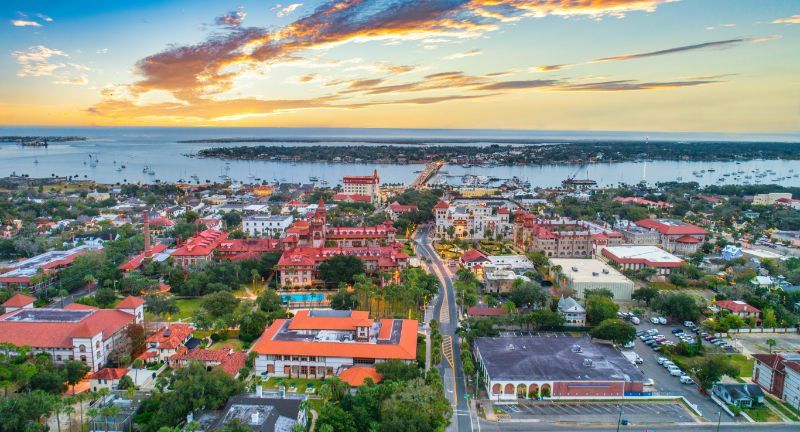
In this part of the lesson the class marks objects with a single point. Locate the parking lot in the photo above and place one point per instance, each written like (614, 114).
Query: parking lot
(600, 412)
(667, 384)
(755, 343)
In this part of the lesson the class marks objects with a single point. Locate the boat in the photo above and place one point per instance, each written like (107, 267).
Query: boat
(572, 182)
(313, 179)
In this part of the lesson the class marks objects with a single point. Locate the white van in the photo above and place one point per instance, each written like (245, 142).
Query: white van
(675, 372)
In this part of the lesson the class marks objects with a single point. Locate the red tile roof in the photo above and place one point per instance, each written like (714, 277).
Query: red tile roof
(736, 306)
(229, 362)
(485, 311)
(687, 239)
(406, 349)
(356, 375)
(60, 334)
(112, 374)
(674, 228)
(171, 337)
(78, 306)
(352, 197)
(19, 300)
(473, 255)
(136, 262)
(202, 244)
(401, 208)
(304, 321)
(130, 302)
(442, 205)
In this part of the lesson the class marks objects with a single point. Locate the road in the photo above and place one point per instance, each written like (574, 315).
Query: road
(677, 427)
(446, 311)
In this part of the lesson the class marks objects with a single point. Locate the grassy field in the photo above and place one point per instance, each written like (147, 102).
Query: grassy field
(187, 308)
(235, 343)
(762, 413)
(745, 364)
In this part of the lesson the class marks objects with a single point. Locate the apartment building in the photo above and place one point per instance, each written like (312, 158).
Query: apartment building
(563, 238)
(369, 186)
(469, 219)
(266, 226)
(676, 236)
(779, 374)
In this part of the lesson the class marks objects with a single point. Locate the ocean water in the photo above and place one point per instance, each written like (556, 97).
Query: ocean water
(158, 149)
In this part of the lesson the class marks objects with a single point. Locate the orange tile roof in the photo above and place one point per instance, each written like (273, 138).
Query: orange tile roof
(170, 337)
(130, 302)
(78, 306)
(386, 329)
(304, 321)
(19, 300)
(356, 375)
(109, 374)
(60, 334)
(405, 349)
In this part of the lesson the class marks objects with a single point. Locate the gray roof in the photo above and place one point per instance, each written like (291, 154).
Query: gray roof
(553, 358)
(269, 414)
(569, 304)
(739, 391)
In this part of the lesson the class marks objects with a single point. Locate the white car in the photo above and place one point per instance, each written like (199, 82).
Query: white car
(688, 324)
(655, 320)
(686, 379)
(662, 320)
(661, 360)
(652, 332)
(668, 364)
(629, 345)
(675, 372)
(649, 382)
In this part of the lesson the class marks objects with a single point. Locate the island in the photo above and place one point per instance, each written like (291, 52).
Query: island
(507, 154)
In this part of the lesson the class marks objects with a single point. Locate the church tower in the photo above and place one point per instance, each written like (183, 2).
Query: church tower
(319, 225)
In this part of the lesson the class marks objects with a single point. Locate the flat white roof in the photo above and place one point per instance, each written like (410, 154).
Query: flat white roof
(649, 253)
(516, 261)
(589, 270)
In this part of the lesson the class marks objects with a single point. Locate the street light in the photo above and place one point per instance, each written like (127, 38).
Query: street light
(719, 419)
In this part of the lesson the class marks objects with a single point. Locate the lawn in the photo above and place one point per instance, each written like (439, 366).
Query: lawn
(235, 343)
(187, 307)
(745, 364)
(762, 413)
(784, 407)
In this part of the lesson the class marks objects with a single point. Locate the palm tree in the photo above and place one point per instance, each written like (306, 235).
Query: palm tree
(509, 307)
(771, 343)
(92, 413)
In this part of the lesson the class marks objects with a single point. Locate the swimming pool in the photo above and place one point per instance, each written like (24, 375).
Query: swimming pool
(294, 298)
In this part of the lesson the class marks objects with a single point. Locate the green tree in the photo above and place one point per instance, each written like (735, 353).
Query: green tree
(599, 309)
(711, 368)
(344, 299)
(252, 325)
(771, 344)
(527, 294)
(269, 301)
(415, 406)
(680, 306)
(74, 371)
(219, 303)
(334, 418)
(645, 294)
(340, 269)
(615, 330)
(396, 370)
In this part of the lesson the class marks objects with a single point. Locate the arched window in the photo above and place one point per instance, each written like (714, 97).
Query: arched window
(82, 348)
(496, 389)
(509, 389)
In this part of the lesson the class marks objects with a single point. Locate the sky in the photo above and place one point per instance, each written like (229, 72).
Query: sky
(728, 66)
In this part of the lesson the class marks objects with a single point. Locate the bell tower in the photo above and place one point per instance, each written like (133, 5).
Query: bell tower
(319, 225)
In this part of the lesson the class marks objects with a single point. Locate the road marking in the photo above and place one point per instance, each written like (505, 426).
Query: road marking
(447, 350)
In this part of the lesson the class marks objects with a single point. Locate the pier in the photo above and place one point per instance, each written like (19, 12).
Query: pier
(430, 170)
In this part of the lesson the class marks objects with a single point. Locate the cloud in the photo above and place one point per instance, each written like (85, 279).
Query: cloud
(232, 19)
(286, 10)
(81, 80)
(102, 51)
(470, 53)
(25, 23)
(197, 73)
(519, 85)
(44, 17)
(794, 19)
(35, 61)
(721, 44)
(629, 85)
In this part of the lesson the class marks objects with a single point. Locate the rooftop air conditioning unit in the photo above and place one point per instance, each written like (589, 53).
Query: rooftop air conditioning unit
(587, 362)
(576, 348)
(606, 271)
(575, 269)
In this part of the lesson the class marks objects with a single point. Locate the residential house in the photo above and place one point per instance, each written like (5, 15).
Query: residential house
(574, 314)
(740, 308)
(166, 342)
(739, 394)
(106, 378)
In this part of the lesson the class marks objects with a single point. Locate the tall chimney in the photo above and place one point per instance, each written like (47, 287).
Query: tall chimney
(147, 250)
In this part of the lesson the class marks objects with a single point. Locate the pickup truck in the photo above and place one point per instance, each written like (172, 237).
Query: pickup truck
(632, 357)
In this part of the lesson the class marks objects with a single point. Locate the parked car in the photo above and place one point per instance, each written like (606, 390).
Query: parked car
(661, 339)
(662, 320)
(688, 324)
(655, 320)
(667, 363)
(635, 320)
(661, 360)
(686, 379)
(652, 331)
(677, 331)
(649, 382)
(629, 345)
(675, 372)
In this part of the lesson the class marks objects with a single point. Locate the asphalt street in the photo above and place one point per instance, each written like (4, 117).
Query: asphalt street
(450, 369)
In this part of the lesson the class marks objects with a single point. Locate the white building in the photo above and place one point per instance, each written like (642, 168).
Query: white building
(266, 226)
(581, 275)
(769, 199)
(638, 257)
(574, 314)
(322, 343)
(77, 332)
(369, 186)
(471, 219)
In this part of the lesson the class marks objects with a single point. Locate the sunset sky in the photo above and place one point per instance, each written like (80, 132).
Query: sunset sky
(728, 66)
